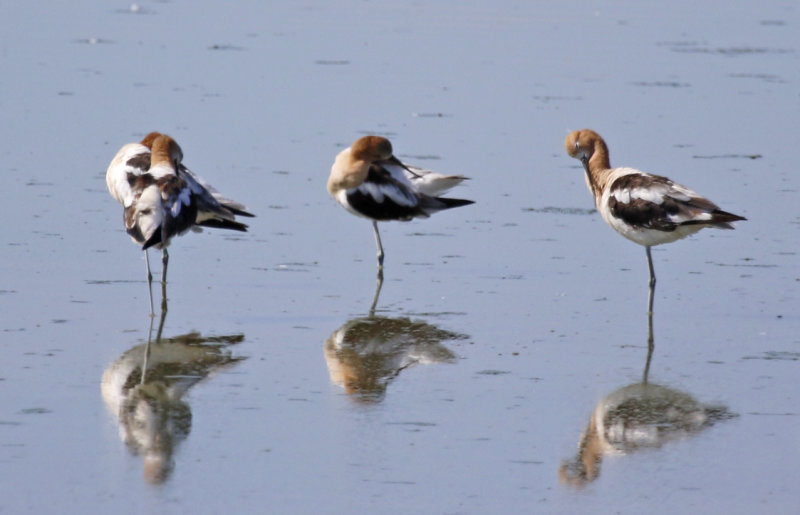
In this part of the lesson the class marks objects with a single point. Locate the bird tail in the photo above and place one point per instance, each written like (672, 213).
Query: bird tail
(722, 219)
(238, 209)
(155, 239)
(219, 223)
(434, 184)
(454, 202)
(430, 205)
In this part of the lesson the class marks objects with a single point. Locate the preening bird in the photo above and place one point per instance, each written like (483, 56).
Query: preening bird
(369, 181)
(645, 208)
(162, 198)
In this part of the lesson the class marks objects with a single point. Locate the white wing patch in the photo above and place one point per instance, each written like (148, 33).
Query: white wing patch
(380, 192)
(184, 199)
(654, 194)
(398, 173)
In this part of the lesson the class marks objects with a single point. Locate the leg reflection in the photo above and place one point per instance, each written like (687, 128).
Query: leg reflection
(650, 339)
(378, 286)
(161, 321)
(650, 346)
(163, 312)
(147, 350)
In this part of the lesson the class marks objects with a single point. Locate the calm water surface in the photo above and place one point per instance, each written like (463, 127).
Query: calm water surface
(502, 369)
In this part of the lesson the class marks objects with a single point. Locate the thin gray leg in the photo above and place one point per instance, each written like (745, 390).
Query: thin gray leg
(149, 282)
(650, 338)
(163, 317)
(164, 264)
(378, 243)
(652, 280)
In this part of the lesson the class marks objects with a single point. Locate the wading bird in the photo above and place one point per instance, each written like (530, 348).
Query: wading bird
(369, 181)
(162, 198)
(647, 209)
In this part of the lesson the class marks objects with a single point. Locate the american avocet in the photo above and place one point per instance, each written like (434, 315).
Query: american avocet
(647, 209)
(367, 180)
(162, 198)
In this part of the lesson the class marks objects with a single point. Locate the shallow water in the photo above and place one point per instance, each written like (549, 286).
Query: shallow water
(502, 329)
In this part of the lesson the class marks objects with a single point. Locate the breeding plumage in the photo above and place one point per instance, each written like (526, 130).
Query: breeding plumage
(162, 198)
(645, 208)
(369, 181)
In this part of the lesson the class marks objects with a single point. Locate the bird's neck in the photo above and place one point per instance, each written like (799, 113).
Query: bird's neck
(347, 173)
(597, 169)
(160, 155)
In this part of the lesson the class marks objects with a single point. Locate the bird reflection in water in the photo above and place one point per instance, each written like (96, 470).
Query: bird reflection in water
(639, 416)
(144, 390)
(367, 353)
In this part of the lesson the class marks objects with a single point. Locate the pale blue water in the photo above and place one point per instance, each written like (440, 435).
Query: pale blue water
(522, 313)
